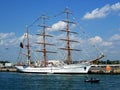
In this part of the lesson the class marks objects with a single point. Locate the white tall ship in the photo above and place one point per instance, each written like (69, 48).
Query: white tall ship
(54, 66)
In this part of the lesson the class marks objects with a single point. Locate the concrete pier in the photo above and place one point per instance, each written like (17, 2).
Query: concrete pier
(105, 69)
(10, 69)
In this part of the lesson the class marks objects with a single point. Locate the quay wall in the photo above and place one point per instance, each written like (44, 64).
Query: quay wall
(105, 69)
(8, 69)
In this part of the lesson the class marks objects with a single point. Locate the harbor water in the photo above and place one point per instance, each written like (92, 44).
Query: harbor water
(28, 81)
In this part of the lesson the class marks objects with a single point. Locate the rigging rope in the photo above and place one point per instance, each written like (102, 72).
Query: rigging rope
(33, 22)
(21, 49)
(81, 29)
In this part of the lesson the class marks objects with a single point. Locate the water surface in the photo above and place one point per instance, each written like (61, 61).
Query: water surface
(27, 81)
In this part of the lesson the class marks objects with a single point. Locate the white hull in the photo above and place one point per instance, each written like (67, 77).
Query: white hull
(65, 69)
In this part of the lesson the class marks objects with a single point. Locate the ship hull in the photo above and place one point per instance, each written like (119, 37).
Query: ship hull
(66, 69)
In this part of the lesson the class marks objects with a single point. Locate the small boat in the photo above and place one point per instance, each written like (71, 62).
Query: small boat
(92, 80)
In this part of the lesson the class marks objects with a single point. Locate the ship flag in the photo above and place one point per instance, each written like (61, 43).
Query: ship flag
(21, 45)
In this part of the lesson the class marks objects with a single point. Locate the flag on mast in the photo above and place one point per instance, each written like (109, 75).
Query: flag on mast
(21, 45)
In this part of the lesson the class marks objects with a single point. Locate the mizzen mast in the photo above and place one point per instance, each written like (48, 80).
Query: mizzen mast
(67, 39)
(44, 43)
(28, 46)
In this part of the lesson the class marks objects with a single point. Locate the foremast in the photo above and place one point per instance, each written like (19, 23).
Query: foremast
(44, 43)
(67, 39)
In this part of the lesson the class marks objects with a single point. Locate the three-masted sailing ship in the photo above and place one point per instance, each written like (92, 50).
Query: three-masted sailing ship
(50, 66)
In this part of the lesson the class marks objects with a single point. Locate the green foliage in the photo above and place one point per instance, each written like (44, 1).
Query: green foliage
(4, 62)
(109, 62)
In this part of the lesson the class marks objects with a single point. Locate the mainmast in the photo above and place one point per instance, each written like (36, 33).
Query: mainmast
(28, 47)
(67, 30)
(44, 35)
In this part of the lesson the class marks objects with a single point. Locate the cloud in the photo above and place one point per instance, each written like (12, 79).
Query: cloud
(102, 12)
(57, 26)
(1, 42)
(115, 37)
(100, 41)
(60, 25)
(7, 38)
(106, 44)
(116, 6)
(96, 39)
(6, 35)
(10, 39)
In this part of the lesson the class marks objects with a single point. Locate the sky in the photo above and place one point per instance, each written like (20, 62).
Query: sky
(99, 20)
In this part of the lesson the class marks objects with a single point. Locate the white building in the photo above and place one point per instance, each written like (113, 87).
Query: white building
(8, 64)
(1, 65)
